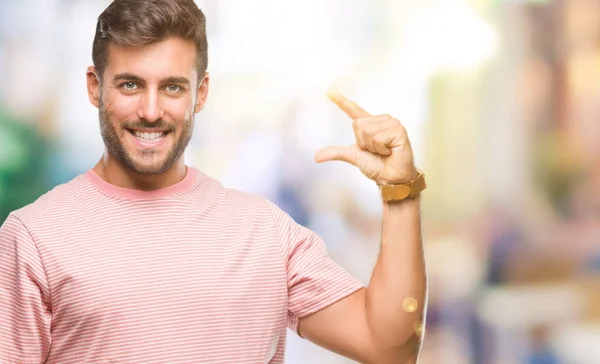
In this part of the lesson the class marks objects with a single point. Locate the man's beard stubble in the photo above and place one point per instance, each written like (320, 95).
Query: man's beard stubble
(116, 148)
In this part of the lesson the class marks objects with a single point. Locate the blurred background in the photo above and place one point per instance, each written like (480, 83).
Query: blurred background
(501, 99)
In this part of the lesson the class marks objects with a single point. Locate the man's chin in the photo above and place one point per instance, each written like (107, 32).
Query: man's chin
(151, 170)
(148, 168)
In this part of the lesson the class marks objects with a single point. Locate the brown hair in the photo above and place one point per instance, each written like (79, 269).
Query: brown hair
(141, 22)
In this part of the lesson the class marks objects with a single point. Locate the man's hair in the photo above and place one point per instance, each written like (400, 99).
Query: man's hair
(142, 22)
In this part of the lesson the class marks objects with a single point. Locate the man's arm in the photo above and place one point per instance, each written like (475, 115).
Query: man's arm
(376, 325)
(384, 322)
(25, 309)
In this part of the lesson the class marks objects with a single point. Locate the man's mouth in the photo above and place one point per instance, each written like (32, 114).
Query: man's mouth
(149, 137)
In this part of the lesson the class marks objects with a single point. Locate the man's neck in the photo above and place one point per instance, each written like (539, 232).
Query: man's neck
(115, 173)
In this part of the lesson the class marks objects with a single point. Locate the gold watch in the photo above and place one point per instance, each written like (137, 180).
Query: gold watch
(403, 191)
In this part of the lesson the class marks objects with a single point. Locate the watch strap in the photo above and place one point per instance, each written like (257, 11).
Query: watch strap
(401, 191)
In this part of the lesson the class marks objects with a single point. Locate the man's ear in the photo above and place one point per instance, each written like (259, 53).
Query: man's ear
(202, 93)
(93, 86)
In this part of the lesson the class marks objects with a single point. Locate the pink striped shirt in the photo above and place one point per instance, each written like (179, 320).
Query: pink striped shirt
(193, 273)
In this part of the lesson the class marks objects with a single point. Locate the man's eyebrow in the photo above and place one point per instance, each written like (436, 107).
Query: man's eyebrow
(128, 77)
(131, 77)
(176, 80)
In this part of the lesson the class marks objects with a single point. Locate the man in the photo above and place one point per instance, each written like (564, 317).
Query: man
(145, 260)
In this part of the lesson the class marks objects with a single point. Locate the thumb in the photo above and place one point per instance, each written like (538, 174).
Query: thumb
(345, 154)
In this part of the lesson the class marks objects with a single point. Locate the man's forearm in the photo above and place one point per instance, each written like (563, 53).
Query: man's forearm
(396, 296)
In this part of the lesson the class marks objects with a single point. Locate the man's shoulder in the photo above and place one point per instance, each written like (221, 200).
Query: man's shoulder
(46, 206)
(239, 204)
(244, 203)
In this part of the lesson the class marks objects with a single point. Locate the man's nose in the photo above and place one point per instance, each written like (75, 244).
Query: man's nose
(150, 106)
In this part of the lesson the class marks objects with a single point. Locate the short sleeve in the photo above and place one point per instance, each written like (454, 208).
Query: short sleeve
(25, 310)
(314, 280)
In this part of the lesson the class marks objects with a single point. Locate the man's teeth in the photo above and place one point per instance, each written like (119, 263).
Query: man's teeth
(149, 137)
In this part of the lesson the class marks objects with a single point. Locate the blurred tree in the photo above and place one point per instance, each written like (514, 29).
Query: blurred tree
(24, 155)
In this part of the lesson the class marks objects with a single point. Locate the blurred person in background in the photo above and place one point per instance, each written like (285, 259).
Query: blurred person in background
(145, 259)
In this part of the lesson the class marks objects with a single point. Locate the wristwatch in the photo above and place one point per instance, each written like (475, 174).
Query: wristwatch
(403, 191)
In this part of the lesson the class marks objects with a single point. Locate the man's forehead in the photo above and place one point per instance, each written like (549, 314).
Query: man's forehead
(168, 58)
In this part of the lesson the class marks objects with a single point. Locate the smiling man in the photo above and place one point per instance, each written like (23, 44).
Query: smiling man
(143, 259)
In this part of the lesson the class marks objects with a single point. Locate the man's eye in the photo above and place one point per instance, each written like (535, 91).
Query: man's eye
(129, 86)
(173, 88)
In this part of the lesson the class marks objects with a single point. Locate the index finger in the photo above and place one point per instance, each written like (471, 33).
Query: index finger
(351, 108)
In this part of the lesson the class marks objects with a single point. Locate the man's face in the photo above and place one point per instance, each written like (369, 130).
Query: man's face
(147, 101)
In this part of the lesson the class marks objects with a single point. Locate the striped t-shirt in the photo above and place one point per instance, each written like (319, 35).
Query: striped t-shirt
(192, 273)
